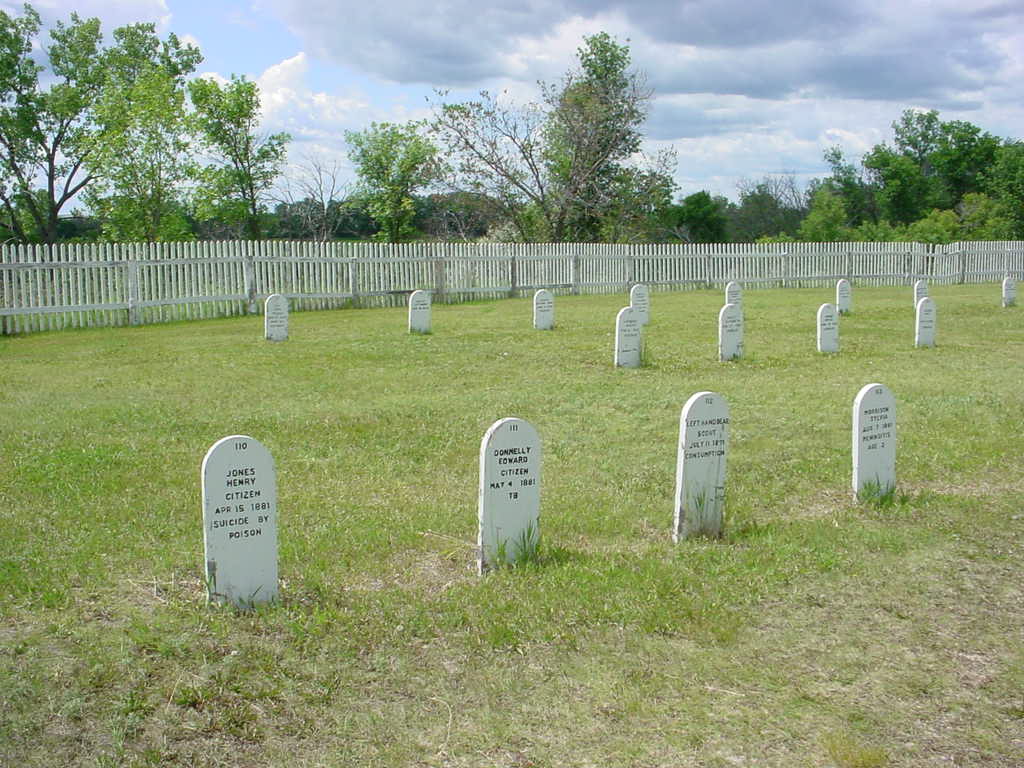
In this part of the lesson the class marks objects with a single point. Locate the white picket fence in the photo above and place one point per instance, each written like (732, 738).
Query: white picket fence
(45, 288)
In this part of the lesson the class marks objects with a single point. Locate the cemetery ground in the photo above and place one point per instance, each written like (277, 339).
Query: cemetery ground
(819, 631)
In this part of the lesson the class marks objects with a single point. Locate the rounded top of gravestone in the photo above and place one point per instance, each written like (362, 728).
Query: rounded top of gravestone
(873, 393)
(729, 309)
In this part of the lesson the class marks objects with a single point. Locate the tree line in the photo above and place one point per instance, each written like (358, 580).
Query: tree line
(119, 141)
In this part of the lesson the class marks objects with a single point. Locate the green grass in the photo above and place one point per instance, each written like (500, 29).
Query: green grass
(819, 631)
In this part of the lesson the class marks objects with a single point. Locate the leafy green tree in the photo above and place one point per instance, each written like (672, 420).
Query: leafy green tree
(917, 135)
(46, 132)
(877, 232)
(937, 228)
(568, 167)
(144, 163)
(960, 160)
(1005, 184)
(826, 221)
(699, 218)
(226, 121)
(982, 218)
(850, 183)
(392, 162)
(904, 194)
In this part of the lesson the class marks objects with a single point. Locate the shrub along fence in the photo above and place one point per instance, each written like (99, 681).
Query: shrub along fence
(50, 287)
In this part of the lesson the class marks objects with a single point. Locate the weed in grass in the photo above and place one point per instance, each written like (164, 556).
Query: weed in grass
(846, 751)
(874, 494)
(519, 552)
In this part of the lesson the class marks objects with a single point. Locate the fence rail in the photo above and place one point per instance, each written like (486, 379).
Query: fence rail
(44, 288)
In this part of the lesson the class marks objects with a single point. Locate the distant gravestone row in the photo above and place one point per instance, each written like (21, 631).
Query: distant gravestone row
(543, 310)
(275, 318)
(844, 297)
(734, 294)
(1009, 292)
(828, 329)
(924, 325)
(640, 301)
(920, 291)
(419, 312)
(730, 332)
(628, 338)
(239, 489)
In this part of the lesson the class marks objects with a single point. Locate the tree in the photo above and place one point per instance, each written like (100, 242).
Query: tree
(963, 154)
(904, 194)
(1005, 183)
(457, 215)
(563, 168)
(46, 134)
(226, 121)
(392, 162)
(773, 206)
(699, 218)
(849, 182)
(937, 228)
(311, 199)
(982, 218)
(826, 221)
(143, 163)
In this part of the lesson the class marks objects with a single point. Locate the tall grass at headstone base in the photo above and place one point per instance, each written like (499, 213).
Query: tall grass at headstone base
(817, 631)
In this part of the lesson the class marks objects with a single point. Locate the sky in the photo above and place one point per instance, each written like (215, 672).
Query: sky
(742, 88)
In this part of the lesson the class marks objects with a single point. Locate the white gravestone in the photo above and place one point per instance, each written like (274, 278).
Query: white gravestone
(1009, 292)
(734, 294)
(240, 522)
(509, 501)
(874, 440)
(627, 338)
(730, 332)
(419, 312)
(828, 328)
(920, 290)
(700, 467)
(275, 318)
(924, 327)
(543, 310)
(844, 297)
(640, 301)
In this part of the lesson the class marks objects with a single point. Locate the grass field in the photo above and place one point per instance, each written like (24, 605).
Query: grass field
(818, 631)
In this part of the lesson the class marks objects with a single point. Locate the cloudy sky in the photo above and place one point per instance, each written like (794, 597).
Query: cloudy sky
(743, 88)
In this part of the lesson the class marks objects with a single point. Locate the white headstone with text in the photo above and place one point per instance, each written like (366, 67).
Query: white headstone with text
(734, 293)
(628, 339)
(700, 467)
(828, 328)
(275, 317)
(920, 290)
(730, 332)
(844, 297)
(419, 312)
(924, 327)
(240, 522)
(509, 500)
(1009, 292)
(543, 310)
(640, 301)
(874, 441)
